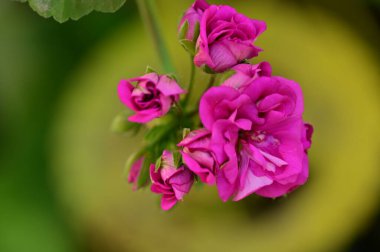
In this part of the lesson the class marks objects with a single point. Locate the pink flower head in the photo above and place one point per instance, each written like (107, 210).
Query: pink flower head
(151, 97)
(226, 38)
(244, 74)
(197, 156)
(259, 135)
(134, 173)
(172, 182)
(193, 16)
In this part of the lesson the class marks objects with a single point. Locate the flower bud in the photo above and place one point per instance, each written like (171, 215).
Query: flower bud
(172, 182)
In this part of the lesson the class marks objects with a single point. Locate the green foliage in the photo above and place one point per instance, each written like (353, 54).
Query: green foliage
(157, 134)
(63, 10)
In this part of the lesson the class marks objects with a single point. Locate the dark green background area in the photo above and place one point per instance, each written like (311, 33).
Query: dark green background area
(37, 56)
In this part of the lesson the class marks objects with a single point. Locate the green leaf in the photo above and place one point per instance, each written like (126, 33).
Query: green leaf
(188, 45)
(63, 10)
(120, 124)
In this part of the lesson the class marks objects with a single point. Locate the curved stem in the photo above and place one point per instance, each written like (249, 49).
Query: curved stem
(148, 13)
(191, 82)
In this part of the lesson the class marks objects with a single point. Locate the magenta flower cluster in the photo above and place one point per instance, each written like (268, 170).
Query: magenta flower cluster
(245, 136)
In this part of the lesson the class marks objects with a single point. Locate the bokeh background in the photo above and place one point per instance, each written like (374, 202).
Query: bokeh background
(61, 168)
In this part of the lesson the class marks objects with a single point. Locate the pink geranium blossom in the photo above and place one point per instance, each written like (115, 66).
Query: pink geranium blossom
(258, 137)
(151, 97)
(226, 38)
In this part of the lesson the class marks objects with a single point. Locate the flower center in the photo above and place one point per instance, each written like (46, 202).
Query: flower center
(258, 136)
(264, 149)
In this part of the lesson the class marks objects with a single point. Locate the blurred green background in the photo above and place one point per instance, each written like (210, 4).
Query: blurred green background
(61, 172)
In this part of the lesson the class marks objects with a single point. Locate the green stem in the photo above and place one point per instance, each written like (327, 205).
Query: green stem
(211, 81)
(148, 13)
(210, 84)
(179, 109)
(191, 82)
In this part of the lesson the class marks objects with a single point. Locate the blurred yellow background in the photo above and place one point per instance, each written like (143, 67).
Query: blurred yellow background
(61, 179)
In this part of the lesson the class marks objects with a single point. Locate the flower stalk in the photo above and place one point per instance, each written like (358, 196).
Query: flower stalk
(191, 82)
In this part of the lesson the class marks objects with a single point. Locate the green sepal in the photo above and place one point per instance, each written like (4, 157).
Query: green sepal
(185, 132)
(172, 76)
(177, 158)
(121, 124)
(150, 69)
(197, 29)
(158, 164)
(144, 173)
(188, 45)
(183, 30)
(208, 70)
(130, 161)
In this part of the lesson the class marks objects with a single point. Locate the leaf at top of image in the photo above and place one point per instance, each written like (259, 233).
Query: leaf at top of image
(63, 10)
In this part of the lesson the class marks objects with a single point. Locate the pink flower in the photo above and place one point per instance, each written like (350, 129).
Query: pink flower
(226, 38)
(134, 173)
(244, 74)
(193, 15)
(172, 182)
(151, 97)
(197, 156)
(258, 137)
